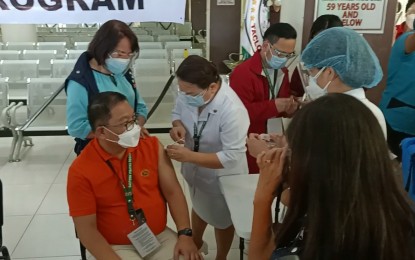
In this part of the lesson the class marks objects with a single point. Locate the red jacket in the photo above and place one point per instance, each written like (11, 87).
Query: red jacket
(253, 89)
(400, 29)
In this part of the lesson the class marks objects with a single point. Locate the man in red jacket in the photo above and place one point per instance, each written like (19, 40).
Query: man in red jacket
(262, 82)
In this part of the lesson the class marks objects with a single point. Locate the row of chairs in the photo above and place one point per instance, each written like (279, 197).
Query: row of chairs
(70, 39)
(61, 47)
(18, 71)
(141, 38)
(53, 118)
(45, 66)
(151, 63)
(46, 61)
(67, 38)
(142, 29)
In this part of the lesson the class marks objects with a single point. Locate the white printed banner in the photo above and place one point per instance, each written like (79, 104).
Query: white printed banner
(256, 22)
(90, 11)
(364, 16)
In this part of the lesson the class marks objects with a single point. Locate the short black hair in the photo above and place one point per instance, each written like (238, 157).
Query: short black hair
(99, 109)
(324, 22)
(280, 30)
(408, 5)
(107, 38)
(199, 71)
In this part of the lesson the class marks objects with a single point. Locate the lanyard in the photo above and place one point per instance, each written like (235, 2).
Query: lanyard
(197, 136)
(272, 87)
(128, 191)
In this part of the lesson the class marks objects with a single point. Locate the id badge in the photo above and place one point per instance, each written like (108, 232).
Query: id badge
(144, 240)
(141, 218)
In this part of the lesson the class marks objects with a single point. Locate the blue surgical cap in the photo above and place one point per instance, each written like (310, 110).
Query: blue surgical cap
(348, 53)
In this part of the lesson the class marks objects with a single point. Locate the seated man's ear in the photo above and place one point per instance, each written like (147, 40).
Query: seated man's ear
(100, 133)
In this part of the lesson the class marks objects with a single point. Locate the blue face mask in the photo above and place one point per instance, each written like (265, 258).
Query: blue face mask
(195, 101)
(276, 62)
(117, 65)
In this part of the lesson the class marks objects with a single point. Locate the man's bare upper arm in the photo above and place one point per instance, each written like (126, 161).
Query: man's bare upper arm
(167, 176)
(83, 223)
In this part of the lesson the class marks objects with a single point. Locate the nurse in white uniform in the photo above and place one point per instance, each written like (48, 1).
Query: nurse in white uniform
(339, 60)
(212, 122)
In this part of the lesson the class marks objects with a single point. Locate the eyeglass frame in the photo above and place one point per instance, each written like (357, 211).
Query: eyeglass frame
(129, 125)
(121, 54)
(282, 54)
(199, 94)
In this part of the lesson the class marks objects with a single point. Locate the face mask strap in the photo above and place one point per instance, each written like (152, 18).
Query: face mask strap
(110, 131)
(327, 86)
(319, 73)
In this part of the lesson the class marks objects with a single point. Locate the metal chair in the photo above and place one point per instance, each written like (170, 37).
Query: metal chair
(3, 249)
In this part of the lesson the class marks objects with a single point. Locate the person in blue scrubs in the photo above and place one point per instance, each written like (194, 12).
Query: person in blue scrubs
(105, 66)
(398, 99)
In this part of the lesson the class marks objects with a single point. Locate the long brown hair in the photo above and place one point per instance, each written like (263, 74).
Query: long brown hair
(342, 180)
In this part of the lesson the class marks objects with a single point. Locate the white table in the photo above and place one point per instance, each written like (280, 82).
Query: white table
(239, 192)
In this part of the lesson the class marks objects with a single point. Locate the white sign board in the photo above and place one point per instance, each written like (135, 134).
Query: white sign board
(90, 11)
(364, 16)
(226, 2)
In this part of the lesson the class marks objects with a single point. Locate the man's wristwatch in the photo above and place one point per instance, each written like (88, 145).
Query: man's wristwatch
(186, 232)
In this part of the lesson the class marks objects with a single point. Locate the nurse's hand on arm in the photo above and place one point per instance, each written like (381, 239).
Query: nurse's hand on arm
(184, 154)
(271, 164)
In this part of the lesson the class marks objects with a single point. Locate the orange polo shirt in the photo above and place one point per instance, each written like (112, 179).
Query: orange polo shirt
(93, 188)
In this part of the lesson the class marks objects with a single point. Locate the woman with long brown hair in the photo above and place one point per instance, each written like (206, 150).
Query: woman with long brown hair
(344, 201)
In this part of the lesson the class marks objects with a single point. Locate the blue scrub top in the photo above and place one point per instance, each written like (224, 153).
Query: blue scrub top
(401, 86)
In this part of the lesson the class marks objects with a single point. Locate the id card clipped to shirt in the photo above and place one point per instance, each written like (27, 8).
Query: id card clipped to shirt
(142, 238)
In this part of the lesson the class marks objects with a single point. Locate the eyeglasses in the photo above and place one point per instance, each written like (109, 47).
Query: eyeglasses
(123, 54)
(129, 125)
(282, 54)
(202, 93)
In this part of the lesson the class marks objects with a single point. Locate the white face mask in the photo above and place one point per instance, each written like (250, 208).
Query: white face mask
(128, 138)
(410, 21)
(314, 91)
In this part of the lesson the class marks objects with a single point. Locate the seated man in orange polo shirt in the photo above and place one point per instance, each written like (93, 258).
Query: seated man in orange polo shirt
(118, 188)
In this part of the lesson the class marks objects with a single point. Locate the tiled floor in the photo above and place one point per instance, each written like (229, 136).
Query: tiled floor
(37, 224)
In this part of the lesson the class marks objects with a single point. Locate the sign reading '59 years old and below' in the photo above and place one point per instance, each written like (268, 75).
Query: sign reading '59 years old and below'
(90, 11)
(365, 16)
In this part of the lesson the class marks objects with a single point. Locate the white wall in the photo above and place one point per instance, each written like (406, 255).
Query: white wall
(292, 12)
